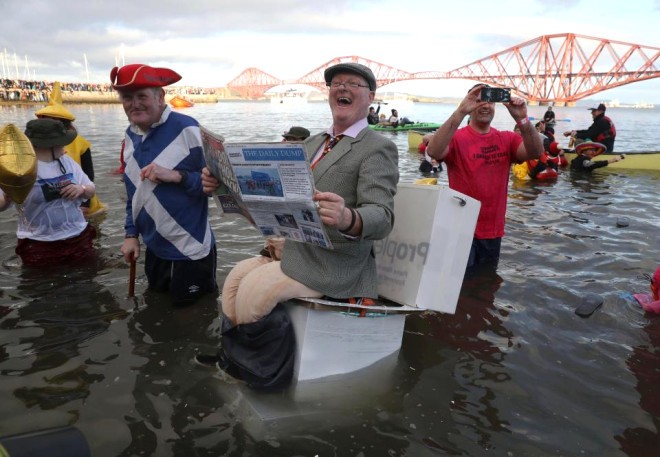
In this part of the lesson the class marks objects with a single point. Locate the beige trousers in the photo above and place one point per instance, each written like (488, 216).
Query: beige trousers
(255, 286)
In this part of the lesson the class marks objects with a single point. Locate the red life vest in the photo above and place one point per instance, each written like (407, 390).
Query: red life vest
(547, 173)
(609, 133)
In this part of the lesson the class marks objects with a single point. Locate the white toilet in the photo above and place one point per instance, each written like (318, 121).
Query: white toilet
(420, 267)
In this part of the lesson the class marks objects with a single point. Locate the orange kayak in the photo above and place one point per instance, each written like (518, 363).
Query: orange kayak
(180, 102)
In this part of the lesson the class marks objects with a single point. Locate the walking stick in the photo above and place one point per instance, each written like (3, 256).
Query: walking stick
(131, 279)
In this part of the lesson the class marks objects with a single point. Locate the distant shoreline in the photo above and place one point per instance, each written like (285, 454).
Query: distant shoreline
(110, 96)
(105, 97)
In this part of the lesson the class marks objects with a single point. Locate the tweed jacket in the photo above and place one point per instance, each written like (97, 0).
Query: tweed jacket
(365, 172)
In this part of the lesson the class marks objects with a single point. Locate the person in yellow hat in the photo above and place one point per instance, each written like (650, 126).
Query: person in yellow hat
(80, 150)
(52, 228)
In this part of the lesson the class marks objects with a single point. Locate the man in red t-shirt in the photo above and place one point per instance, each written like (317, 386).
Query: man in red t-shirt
(478, 159)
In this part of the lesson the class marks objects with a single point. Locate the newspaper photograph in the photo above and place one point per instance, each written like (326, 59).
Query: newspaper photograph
(271, 184)
(228, 194)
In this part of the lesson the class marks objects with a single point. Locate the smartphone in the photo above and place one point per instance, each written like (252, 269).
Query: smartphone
(495, 95)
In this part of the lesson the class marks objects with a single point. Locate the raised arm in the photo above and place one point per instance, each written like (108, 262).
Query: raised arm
(438, 145)
(532, 145)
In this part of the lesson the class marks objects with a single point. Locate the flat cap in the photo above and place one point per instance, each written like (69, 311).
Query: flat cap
(351, 67)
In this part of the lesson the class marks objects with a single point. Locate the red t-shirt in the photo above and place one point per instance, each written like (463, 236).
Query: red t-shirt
(478, 165)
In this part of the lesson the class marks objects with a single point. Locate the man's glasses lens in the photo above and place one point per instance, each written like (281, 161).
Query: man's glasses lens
(337, 85)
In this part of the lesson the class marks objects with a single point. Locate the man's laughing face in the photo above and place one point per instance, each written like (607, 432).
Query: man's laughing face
(349, 99)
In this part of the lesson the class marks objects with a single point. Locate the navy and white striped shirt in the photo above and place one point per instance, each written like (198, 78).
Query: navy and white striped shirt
(172, 218)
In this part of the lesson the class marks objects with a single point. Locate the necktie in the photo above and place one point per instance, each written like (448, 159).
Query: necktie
(330, 143)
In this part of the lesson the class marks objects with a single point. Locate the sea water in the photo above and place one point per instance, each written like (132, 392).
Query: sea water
(515, 372)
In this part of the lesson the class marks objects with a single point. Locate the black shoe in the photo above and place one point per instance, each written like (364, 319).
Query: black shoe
(220, 363)
(207, 360)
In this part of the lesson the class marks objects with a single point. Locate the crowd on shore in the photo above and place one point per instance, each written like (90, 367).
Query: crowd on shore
(18, 90)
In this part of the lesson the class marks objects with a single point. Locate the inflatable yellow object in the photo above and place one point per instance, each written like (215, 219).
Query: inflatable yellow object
(427, 181)
(521, 171)
(18, 164)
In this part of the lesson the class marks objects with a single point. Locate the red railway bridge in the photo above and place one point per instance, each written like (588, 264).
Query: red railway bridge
(559, 69)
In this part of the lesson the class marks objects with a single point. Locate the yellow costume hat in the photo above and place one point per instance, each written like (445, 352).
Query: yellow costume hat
(55, 108)
(56, 111)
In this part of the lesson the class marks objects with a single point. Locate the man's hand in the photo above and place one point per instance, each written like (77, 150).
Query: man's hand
(157, 174)
(517, 108)
(471, 102)
(130, 249)
(333, 210)
(209, 183)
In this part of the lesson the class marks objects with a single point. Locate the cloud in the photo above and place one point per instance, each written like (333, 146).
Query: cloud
(211, 41)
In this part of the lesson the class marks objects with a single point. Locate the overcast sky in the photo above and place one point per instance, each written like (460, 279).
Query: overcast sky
(210, 42)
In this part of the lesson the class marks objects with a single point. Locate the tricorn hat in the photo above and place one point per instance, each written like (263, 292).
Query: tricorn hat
(351, 67)
(138, 76)
(296, 132)
(48, 133)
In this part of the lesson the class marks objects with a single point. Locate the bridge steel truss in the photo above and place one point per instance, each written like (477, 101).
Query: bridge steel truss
(560, 69)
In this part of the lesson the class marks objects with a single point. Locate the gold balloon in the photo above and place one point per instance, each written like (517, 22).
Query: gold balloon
(18, 163)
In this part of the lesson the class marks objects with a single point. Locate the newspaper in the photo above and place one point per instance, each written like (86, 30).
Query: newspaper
(270, 184)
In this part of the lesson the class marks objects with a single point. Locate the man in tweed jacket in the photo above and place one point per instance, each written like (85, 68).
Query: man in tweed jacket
(356, 181)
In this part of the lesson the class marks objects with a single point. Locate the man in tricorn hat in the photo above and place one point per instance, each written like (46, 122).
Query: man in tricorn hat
(166, 205)
(601, 131)
(355, 172)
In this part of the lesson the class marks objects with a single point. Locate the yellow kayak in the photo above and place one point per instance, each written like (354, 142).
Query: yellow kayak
(633, 161)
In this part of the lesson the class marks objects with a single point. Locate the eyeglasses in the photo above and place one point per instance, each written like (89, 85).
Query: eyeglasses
(337, 85)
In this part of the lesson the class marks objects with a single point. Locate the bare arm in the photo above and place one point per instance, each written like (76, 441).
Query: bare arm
(438, 145)
(616, 159)
(532, 145)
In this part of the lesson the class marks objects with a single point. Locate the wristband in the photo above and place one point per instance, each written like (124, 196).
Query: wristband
(184, 177)
(127, 236)
(353, 219)
(523, 121)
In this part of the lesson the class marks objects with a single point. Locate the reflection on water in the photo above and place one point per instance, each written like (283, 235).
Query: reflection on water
(513, 372)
